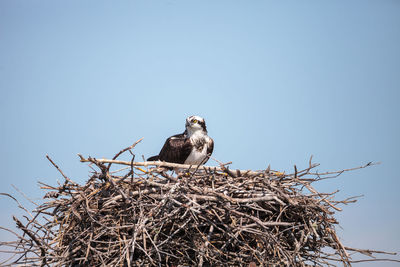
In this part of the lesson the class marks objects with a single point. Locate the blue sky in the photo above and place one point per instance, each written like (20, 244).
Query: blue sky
(276, 81)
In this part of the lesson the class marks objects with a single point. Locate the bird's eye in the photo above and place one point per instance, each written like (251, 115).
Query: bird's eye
(194, 121)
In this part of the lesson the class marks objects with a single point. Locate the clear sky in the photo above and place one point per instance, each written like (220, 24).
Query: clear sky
(276, 81)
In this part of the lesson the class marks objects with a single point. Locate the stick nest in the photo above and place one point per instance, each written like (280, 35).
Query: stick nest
(207, 216)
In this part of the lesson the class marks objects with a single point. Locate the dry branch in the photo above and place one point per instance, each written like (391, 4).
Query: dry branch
(204, 216)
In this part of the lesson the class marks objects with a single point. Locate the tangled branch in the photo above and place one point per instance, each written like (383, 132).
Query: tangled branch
(143, 214)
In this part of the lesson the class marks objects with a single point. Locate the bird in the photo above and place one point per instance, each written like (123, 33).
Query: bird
(192, 147)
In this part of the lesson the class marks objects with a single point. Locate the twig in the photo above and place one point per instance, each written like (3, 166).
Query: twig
(123, 150)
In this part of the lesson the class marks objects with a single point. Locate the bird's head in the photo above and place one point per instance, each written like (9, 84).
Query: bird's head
(194, 124)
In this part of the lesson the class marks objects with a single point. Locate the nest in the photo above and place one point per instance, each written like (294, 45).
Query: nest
(144, 214)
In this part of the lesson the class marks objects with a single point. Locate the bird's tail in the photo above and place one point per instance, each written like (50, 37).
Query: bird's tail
(153, 158)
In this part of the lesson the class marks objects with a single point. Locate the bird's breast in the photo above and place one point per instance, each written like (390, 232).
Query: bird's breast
(198, 153)
(199, 144)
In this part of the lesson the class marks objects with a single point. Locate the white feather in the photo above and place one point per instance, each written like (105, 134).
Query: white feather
(195, 132)
(197, 157)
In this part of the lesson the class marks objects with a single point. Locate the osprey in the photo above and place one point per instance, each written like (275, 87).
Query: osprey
(192, 147)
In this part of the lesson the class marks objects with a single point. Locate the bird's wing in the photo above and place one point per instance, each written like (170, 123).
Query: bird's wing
(210, 149)
(176, 149)
(153, 158)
